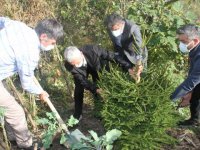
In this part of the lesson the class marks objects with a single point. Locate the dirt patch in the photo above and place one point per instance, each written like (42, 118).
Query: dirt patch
(188, 138)
(88, 122)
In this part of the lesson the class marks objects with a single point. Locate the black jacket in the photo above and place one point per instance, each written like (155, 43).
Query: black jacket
(131, 41)
(95, 57)
(193, 78)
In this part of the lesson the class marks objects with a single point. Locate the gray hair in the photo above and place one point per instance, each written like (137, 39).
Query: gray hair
(113, 19)
(71, 53)
(190, 30)
(51, 27)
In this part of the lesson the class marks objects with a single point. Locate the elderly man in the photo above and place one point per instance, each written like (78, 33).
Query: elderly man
(20, 47)
(81, 62)
(127, 40)
(189, 90)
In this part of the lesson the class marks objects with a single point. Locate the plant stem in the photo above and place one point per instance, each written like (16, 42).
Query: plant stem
(20, 98)
(4, 133)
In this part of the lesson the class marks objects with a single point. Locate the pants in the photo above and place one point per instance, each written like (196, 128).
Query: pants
(79, 92)
(16, 125)
(195, 104)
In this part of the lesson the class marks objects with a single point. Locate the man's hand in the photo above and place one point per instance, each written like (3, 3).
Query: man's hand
(139, 69)
(99, 91)
(185, 100)
(43, 96)
(135, 72)
(131, 71)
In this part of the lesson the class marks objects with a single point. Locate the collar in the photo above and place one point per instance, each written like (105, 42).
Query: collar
(84, 61)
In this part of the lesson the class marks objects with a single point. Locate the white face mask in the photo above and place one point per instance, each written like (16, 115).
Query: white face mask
(79, 65)
(82, 63)
(118, 32)
(47, 48)
(184, 47)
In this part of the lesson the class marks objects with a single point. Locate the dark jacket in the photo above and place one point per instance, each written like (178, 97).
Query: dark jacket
(193, 78)
(130, 40)
(95, 57)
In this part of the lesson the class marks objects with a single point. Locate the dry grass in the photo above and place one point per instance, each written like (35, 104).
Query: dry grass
(28, 11)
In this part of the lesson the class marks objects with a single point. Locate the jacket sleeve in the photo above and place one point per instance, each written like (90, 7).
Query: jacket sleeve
(26, 73)
(137, 39)
(80, 78)
(85, 82)
(119, 59)
(104, 54)
(111, 56)
(189, 84)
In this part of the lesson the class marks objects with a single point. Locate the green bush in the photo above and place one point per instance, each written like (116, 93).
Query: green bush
(159, 23)
(143, 112)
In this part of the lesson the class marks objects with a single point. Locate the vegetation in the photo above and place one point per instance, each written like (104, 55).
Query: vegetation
(143, 112)
(76, 139)
(2, 122)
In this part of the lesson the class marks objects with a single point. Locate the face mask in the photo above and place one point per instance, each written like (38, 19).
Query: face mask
(79, 65)
(82, 63)
(46, 48)
(183, 47)
(117, 33)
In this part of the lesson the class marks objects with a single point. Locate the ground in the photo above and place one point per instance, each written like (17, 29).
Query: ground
(189, 138)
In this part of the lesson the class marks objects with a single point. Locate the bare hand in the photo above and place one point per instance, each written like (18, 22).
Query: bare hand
(139, 69)
(43, 96)
(185, 101)
(99, 91)
(131, 71)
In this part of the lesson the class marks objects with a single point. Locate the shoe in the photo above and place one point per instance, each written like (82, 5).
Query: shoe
(189, 122)
(78, 117)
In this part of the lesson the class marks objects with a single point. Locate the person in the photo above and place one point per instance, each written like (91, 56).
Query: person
(188, 90)
(127, 41)
(81, 62)
(20, 47)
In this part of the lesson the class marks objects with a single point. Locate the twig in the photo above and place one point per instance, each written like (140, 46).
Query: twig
(4, 132)
(21, 101)
(35, 146)
(64, 72)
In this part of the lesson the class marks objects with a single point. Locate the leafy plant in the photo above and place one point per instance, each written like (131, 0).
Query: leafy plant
(104, 142)
(52, 125)
(159, 21)
(76, 139)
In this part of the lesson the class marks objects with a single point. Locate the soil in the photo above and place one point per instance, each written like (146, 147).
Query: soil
(88, 122)
(188, 138)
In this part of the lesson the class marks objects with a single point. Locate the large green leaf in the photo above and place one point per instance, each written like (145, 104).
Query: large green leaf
(112, 135)
(94, 135)
(109, 147)
(63, 139)
(72, 121)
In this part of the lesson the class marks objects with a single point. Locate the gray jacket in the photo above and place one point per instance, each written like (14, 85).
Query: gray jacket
(130, 41)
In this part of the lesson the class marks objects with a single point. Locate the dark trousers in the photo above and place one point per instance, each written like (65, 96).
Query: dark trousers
(195, 104)
(79, 92)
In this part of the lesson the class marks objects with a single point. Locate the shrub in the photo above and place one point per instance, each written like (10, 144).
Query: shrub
(141, 111)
